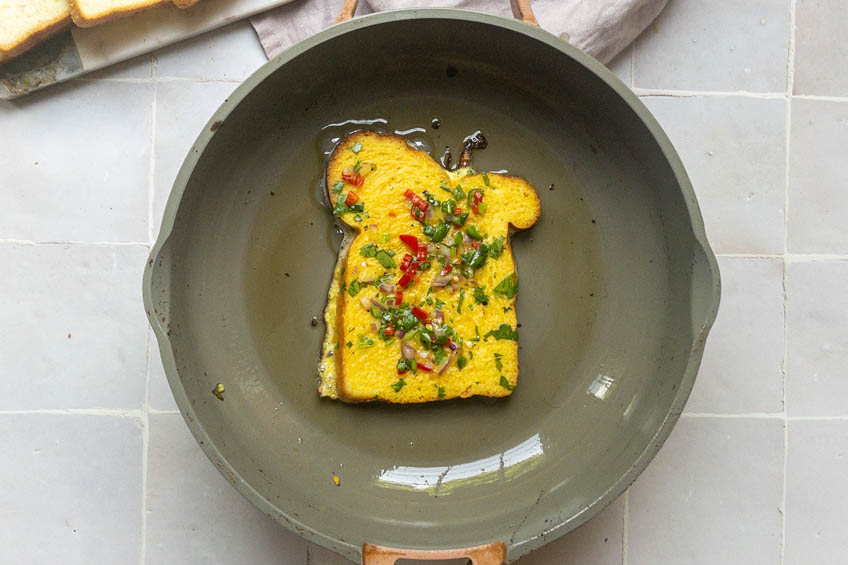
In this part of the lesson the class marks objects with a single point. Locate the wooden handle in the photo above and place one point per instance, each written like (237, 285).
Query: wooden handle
(491, 554)
(520, 9)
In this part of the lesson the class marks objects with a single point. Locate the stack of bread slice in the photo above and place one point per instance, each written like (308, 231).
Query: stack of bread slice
(24, 23)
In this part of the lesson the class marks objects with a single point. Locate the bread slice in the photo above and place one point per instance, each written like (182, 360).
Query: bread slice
(473, 304)
(185, 3)
(23, 23)
(87, 13)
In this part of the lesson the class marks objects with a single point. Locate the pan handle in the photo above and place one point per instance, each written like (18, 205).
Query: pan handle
(490, 554)
(520, 9)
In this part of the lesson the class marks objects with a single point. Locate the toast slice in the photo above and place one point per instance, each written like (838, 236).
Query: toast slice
(87, 13)
(422, 303)
(23, 23)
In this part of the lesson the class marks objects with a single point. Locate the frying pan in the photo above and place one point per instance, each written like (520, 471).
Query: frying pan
(618, 291)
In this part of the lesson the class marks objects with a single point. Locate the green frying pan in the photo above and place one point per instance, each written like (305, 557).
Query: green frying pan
(618, 291)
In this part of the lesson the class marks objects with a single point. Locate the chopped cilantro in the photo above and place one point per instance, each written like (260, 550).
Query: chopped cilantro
(507, 309)
(508, 287)
(439, 304)
(498, 362)
(461, 362)
(385, 259)
(476, 334)
(485, 179)
(357, 166)
(461, 299)
(385, 239)
(504, 331)
(349, 344)
(357, 218)
(368, 250)
(356, 147)
(365, 341)
(480, 295)
(398, 385)
(354, 287)
(496, 247)
(473, 233)
(385, 277)
(439, 355)
(506, 384)
(338, 186)
(445, 186)
(441, 392)
(341, 208)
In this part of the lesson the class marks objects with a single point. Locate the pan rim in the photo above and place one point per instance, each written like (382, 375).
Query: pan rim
(520, 547)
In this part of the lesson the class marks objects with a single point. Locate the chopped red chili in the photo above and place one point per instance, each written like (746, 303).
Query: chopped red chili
(447, 269)
(418, 214)
(406, 278)
(425, 368)
(476, 245)
(419, 313)
(390, 330)
(422, 252)
(355, 179)
(410, 241)
(478, 198)
(398, 297)
(402, 372)
(417, 201)
(457, 211)
(405, 262)
(352, 198)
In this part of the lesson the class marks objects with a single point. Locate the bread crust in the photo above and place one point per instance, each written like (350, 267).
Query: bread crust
(36, 36)
(82, 21)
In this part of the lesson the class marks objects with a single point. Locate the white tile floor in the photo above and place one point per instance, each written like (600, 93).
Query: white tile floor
(99, 469)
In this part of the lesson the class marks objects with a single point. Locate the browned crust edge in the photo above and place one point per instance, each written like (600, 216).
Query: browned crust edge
(35, 37)
(185, 3)
(80, 20)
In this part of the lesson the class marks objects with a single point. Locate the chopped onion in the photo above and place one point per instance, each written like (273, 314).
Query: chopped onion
(443, 366)
(407, 351)
(453, 346)
(365, 169)
(367, 280)
(440, 249)
(466, 239)
(373, 326)
(348, 170)
(440, 316)
(429, 213)
(473, 282)
(365, 303)
(378, 304)
(454, 286)
(390, 302)
(387, 287)
(400, 334)
(431, 247)
(440, 282)
(424, 355)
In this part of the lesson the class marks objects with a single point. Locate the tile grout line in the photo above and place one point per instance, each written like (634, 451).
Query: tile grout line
(152, 166)
(145, 407)
(11, 241)
(708, 93)
(790, 85)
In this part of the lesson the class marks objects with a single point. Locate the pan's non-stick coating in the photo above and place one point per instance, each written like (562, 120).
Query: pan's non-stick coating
(618, 289)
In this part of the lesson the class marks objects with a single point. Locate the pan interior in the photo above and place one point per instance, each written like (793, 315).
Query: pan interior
(613, 286)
